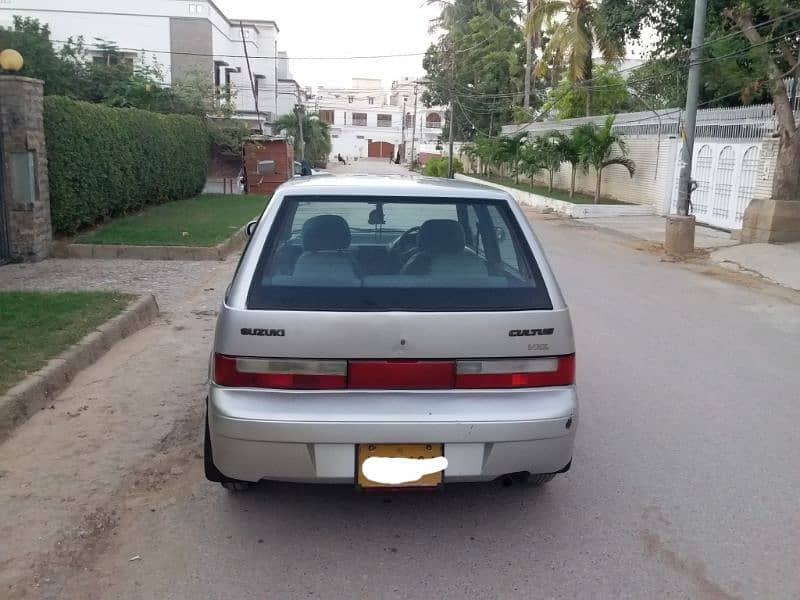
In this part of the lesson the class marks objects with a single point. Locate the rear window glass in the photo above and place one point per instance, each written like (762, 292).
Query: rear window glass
(363, 253)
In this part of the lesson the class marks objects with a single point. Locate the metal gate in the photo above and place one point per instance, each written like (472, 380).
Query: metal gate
(725, 176)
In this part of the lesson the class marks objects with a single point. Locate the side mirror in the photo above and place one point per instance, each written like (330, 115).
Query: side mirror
(251, 228)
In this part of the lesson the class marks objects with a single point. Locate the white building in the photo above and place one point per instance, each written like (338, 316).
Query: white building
(182, 37)
(369, 121)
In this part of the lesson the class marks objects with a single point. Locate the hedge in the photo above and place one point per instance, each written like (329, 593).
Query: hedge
(105, 161)
(437, 166)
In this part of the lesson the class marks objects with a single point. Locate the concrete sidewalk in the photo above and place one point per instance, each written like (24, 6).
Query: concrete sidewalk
(651, 229)
(779, 263)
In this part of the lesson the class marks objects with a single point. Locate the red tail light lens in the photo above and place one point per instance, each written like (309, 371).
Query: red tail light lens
(524, 373)
(230, 371)
(402, 374)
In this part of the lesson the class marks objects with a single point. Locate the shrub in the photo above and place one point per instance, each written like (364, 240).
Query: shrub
(105, 162)
(437, 166)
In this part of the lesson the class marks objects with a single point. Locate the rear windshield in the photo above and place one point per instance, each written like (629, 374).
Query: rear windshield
(362, 253)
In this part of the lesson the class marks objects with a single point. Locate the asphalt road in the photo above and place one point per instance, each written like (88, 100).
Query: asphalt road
(685, 481)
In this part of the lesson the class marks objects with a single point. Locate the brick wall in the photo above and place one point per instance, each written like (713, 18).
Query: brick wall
(280, 151)
(25, 200)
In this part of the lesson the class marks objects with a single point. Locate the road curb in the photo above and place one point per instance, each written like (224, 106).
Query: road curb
(39, 389)
(105, 251)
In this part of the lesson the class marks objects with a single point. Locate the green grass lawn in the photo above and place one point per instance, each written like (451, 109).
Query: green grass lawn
(204, 220)
(37, 326)
(556, 194)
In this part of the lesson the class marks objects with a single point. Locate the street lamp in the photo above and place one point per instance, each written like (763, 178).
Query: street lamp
(11, 60)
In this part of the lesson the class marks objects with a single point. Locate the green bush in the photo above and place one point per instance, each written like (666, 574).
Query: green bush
(104, 162)
(437, 166)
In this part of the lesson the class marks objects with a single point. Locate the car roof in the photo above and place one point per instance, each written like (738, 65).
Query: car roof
(390, 185)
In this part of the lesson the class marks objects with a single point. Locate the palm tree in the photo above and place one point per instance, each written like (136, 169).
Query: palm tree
(599, 145)
(509, 151)
(531, 160)
(550, 155)
(577, 29)
(571, 149)
(316, 135)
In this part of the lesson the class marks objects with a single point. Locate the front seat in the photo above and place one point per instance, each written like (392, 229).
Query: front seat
(442, 252)
(326, 258)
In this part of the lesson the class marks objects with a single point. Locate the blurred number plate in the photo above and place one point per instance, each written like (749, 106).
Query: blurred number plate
(400, 451)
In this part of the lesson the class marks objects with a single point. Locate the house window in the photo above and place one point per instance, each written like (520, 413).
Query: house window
(384, 120)
(409, 120)
(326, 116)
(371, 100)
(350, 99)
(360, 119)
(195, 8)
(111, 59)
(433, 120)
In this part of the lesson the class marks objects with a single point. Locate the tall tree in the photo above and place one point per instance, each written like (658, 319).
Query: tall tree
(610, 96)
(579, 28)
(786, 184)
(531, 38)
(479, 57)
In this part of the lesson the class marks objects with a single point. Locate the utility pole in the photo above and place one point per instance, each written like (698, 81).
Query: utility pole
(299, 111)
(253, 83)
(680, 230)
(692, 93)
(414, 125)
(452, 104)
(403, 128)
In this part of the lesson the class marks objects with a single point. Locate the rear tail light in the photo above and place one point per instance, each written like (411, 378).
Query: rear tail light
(230, 371)
(524, 373)
(401, 374)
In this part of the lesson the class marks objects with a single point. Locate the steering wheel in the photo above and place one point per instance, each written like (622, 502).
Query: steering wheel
(405, 245)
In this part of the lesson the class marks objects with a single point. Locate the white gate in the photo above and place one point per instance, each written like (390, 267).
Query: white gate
(725, 176)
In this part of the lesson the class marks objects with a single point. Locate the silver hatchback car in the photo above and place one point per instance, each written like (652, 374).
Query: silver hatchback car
(391, 332)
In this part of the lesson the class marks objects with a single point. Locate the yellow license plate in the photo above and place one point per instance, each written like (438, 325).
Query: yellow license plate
(418, 451)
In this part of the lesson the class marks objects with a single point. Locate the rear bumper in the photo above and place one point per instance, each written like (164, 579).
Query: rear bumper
(312, 436)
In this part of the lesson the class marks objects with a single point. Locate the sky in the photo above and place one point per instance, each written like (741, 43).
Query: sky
(312, 28)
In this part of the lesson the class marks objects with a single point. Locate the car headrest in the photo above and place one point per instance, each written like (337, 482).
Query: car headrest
(441, 236)
(326, 232)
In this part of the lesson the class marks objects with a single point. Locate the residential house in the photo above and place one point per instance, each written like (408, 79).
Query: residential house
(368, 120)
(182, 37)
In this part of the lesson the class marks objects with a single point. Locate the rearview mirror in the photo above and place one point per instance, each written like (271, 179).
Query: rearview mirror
(376, 217)
(250, 229)
(500, 233)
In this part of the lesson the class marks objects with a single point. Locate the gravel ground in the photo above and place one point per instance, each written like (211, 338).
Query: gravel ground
(169, 281)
